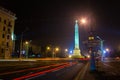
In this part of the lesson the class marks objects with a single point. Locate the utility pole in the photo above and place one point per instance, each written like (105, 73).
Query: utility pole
(21, 43)
(21, 46)
(27, 48)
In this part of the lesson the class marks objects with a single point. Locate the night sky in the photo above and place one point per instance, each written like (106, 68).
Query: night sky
(52, 21)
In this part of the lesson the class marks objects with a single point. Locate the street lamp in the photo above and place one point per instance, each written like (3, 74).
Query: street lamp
(56, 50)
(66, 50)
(107, 50)
(21, 44)
(48, 49)
(83, 21)
(90, 42)
(27, 48)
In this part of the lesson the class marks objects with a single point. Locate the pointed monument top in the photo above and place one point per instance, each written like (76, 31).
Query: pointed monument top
(76, 21)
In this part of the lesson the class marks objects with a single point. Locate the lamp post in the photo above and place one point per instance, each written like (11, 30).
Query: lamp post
(48, 49)
(53, 50)
(91, 42)
(101, 47)
(56, 50)
(27, 48)
(21, 46)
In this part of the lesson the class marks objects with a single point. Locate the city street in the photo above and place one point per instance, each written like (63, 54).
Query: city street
(60, 70)
(40, 70)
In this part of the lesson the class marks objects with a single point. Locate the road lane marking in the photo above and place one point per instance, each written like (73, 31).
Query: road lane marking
(82, 72)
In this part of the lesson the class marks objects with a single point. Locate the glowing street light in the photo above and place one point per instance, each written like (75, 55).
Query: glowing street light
(56, 49)
(83, 21)
(26, 42)
(107, 50)
(70, 56)
(48, 48)
(66, 50)
(86, 21)
(88, 56)
(27, 48)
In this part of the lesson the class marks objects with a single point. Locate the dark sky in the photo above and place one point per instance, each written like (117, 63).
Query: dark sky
(52, 21)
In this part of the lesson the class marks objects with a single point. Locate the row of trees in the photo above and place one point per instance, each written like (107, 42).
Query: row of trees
(40, 51)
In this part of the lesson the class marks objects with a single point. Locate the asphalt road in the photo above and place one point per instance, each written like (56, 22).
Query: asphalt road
(60, 70)
(67, 73)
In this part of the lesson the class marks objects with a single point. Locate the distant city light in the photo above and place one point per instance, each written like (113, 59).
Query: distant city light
(88, 56)
(26, 42)
(104, 51)
(66, 50)
(107, 50)
(48, 48)
(70, 56)
(71, 52)
(56, 49)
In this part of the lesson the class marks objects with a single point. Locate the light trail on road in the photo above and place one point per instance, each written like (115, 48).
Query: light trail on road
(43, 67)
(43, 72)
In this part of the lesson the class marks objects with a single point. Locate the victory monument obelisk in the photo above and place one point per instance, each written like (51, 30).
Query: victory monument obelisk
(76, 52)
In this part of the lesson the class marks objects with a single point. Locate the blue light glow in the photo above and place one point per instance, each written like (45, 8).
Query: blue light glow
(12, 37)
(76, 36)
(71, 52)
(104, 51)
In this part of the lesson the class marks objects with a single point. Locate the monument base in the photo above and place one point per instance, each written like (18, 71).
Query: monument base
(77, 54)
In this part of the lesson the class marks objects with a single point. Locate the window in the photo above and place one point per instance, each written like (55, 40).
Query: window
(4, 21)
(0, 19)
(9, 24)
(7, 44)
(2, 50)
(4, 28)
(3, 36)
(8, 30)
(8, 37)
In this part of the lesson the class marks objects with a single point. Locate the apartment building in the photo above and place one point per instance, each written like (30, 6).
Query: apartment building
(7, 42)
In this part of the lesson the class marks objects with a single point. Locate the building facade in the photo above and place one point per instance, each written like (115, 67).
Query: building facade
(7, 41)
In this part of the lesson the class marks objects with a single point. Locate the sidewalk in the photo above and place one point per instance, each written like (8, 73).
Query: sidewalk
(102, 72)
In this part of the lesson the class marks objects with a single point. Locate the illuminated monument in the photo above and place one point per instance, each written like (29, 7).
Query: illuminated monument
(76, 52)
